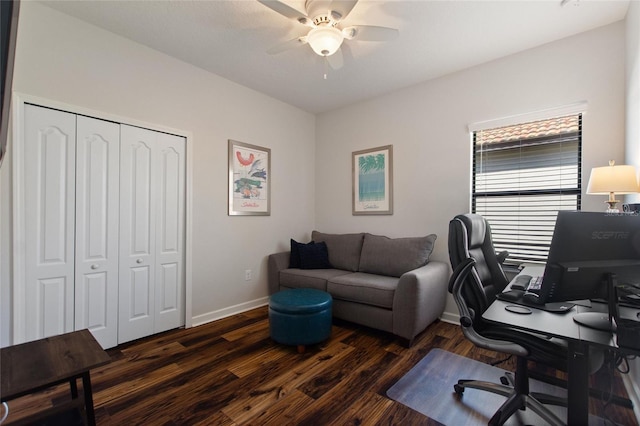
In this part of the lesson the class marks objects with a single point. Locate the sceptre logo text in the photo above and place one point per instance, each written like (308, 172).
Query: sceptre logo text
(609, 235)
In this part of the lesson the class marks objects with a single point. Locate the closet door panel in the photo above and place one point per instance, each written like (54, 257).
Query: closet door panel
(97, 216)
(137, 239)
(140, 305)
(92, 310)
(141, 194)
(170, 231)
(53, 306)
(49, 200)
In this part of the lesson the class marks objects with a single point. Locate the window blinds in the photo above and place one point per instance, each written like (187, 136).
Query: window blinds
(522, 175)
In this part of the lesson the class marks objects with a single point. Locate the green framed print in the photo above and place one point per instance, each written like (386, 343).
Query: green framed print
(373, 181)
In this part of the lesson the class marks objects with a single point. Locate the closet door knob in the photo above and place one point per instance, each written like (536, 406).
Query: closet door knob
(139, 261)
(95, 266)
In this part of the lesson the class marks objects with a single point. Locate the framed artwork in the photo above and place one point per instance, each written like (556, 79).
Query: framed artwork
(249, 180)
(373, 181)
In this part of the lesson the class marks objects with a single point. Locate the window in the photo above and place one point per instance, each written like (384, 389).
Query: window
(522, 175)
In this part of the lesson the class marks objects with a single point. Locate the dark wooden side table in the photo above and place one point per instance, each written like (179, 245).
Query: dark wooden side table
(33, 366)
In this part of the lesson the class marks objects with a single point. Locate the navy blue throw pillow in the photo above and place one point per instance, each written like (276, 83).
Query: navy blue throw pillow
(314, 256)
(294, 258)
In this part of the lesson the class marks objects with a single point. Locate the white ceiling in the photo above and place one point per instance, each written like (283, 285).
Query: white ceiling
(230, 38)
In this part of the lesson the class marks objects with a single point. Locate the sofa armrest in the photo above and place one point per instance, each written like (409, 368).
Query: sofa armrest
(276, 263)
(420, 298)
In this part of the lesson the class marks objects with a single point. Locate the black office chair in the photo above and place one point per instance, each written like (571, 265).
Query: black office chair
(477, 278)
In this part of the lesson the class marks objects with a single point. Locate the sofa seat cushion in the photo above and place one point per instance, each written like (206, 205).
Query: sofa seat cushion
(308, 278)
(370, 289)
(394, 256)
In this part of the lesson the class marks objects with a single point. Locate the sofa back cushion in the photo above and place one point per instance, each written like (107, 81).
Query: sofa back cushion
(344, 249)
(395, 256)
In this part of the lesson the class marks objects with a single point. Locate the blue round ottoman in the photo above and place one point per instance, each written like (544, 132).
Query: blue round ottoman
(300, 316)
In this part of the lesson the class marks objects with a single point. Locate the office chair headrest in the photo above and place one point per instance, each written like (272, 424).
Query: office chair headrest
(478, 227)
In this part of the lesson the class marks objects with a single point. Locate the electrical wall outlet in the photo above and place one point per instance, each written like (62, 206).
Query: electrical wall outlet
(248, 275)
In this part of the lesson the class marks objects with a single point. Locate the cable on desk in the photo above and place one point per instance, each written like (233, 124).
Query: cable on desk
(622, 359)
(614, 362)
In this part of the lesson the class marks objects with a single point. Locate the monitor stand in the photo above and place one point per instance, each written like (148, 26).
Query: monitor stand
(595, 320)
(603, 321)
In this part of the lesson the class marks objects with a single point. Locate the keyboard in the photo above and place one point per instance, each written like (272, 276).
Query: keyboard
(535, 283)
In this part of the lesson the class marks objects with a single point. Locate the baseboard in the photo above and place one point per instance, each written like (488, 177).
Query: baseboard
(227, 312)
(450, 318)
(252, 304)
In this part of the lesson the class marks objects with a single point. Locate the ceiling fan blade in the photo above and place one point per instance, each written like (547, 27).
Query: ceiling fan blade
(339, 9)
(289, 44)
(288, 11)
(370, 33)
(336, 61)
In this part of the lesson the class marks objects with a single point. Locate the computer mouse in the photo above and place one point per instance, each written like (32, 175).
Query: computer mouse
(531, 297)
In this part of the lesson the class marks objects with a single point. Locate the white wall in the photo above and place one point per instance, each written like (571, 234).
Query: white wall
(66, 60)
(427, 125)
(633, 90)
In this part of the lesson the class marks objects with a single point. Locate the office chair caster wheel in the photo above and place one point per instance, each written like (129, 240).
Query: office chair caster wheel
(508, 379)
(458, 389)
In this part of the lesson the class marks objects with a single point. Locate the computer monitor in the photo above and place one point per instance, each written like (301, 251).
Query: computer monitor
(589, 253)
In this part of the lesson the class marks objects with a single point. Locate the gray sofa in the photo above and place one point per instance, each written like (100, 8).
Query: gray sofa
(384, 283)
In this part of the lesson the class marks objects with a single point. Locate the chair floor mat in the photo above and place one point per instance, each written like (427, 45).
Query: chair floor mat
(428, 389)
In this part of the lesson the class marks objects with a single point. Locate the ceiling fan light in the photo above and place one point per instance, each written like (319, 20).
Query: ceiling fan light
(325, 41)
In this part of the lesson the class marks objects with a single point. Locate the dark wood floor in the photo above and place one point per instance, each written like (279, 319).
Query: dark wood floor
(229, 372)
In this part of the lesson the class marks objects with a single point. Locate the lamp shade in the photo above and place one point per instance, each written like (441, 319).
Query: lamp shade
(325, 41)
(612, 178)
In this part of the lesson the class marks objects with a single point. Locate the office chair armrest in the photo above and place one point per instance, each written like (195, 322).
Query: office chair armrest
(502, 256)
(458, 278)
(456, 283)
(497, 345)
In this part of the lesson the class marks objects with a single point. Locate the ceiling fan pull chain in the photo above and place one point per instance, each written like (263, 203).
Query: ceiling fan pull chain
(326, 67)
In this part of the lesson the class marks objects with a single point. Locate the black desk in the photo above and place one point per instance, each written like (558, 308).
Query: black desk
(579, 338)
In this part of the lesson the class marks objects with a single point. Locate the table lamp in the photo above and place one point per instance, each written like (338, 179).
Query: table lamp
(613, 179)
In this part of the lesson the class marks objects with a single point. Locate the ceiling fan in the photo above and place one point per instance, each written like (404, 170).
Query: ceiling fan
(326, 35)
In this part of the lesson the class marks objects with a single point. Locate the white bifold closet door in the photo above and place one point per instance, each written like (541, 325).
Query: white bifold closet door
(151, 232)
(49, 200)
(97, 209)
(71, 224)
(102, 215)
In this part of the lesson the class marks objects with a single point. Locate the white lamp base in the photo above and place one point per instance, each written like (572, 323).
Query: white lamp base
(612, 206)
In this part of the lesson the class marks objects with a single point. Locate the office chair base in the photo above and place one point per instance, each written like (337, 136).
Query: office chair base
(515, 401)
(509, 380)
